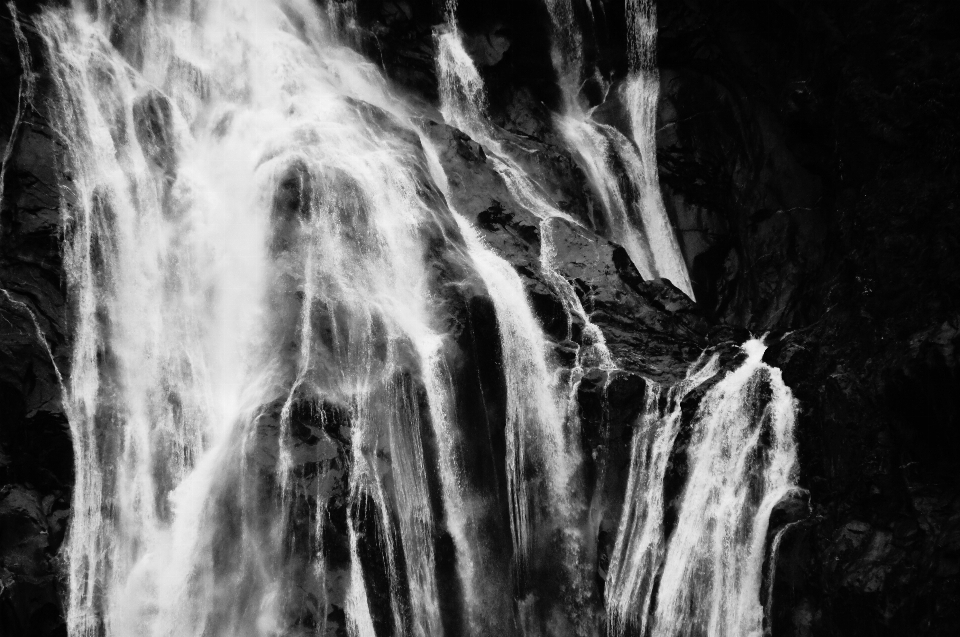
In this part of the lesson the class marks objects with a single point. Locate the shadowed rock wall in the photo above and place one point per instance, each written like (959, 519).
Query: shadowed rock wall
(36, 458)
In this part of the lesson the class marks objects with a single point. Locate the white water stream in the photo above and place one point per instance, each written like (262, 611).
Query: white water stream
(640, 542)
(549, 434)
(705, 579)
(251, 223)
(241, 236)
(634, 212)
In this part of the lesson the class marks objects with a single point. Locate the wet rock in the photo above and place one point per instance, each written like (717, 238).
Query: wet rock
(36, 459)
(808, 155)
(153, 125)
(487, 48)
(648, 326)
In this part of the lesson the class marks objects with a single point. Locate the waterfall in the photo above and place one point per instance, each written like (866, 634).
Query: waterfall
(538, 403)
(635, 212)
(641, 93)
(246, 228)
(269, 293)
(532, 410)
(640, 540)
(742, 461)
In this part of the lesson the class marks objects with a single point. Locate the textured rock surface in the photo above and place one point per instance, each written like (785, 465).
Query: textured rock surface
(809, 157)
(36, 459)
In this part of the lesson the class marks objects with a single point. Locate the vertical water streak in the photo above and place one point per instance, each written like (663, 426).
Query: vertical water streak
(83, 543)
(369, 502)
(641, 93)
(640, 542)
(359, 621)
(552, 439)
(635, 214)
(742, 460)
(242, 238)
(593, 144)
(772, 576)
(38, 332)
(531, 409)
(463, 104)
(318, 548)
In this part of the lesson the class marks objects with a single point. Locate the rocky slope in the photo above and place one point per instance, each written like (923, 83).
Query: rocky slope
(809, 158)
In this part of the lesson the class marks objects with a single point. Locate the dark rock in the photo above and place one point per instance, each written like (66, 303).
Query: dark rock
(153, 127)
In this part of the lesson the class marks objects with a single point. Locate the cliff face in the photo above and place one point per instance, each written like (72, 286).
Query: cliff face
(809, 156)
(36, 460)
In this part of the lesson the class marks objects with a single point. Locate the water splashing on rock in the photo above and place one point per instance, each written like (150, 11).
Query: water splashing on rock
(306, 396)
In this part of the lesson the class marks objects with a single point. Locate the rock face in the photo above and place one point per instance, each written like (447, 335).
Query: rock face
(36, 458)
(809, 156)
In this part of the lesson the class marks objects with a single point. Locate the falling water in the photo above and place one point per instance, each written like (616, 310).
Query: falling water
(245, 244)
(262, 272)
(545, 423)
(635, 212)
(531, 407)
(742, 461)
(772, 574)
(641, 92)
(640, 541)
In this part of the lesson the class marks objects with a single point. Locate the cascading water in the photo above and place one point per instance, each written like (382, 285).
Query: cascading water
(641, 93)
(268, 289)
(742, 458)
(742, 462)
(635, 213)
(563, 509)
(245, 249)
(639, 547)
